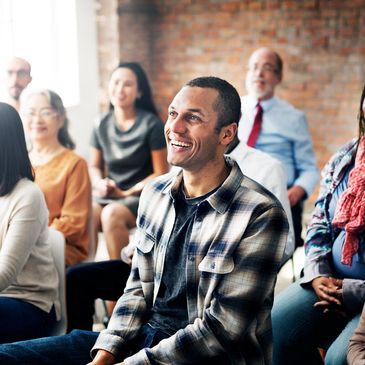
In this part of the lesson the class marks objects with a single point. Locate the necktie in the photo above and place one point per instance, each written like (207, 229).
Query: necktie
(256, 126)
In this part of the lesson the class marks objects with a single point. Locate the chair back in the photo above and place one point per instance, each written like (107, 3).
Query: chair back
(57, 242)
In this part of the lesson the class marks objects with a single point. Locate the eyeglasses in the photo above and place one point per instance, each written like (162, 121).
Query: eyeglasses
(19, 73)
(266, 67)
(45, 114)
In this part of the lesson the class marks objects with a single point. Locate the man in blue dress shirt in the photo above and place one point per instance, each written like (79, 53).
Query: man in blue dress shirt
(283, 131)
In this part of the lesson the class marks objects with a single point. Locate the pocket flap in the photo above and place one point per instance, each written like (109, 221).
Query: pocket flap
(144, 242)
(216, 265)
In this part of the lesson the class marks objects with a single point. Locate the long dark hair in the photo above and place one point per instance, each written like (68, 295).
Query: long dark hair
(56, 104)
(14, 159)
(145, 101)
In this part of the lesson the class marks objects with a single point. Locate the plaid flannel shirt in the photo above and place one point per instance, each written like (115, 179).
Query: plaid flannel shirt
(237, 242)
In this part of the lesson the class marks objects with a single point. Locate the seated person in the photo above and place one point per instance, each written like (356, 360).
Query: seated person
(209, 243)
(323, 308)
(128, 149)
(106, 279)
(28, 278)
(270, 173)
(61, 174)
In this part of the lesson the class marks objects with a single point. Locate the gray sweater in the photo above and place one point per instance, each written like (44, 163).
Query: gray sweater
(27, 271)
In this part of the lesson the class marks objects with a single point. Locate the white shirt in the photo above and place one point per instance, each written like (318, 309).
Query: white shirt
(268, 172)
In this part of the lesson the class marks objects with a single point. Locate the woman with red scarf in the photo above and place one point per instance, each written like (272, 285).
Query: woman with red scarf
(323, 308)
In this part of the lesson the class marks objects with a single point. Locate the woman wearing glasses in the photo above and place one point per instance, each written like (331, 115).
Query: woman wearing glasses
(28, 278)
(61, 174)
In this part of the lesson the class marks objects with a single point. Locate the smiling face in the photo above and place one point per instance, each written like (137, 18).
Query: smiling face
(262, 74)
(123, 88)
(42, 122)
(193, 142)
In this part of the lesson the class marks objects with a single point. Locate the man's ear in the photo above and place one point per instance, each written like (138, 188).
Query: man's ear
(228, 133)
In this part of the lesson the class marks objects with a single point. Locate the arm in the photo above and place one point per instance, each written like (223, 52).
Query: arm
(27, 219)
(75, 212)
(234, 310)
(305, 162)
(318, 245)
(101, 185)
(128, 315)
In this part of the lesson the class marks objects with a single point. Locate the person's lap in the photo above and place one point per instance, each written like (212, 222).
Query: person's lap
(299, 329)
(20, 320)
(89, 281)
(71, 349)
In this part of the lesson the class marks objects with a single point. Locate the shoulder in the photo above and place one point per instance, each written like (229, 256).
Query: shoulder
(149, 119)
(72, 160)
(245, 193)
(27, 192)
(162, 182)
(73, 157)
(283, 106)
(346, 151)
(103, 120)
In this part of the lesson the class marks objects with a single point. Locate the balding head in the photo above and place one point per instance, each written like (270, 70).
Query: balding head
(265, 69)
(17, 77)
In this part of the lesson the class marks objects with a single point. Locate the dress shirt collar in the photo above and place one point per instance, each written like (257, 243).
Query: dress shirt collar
(266, 104)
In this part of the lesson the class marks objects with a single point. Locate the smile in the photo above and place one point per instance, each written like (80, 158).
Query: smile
(180, 144)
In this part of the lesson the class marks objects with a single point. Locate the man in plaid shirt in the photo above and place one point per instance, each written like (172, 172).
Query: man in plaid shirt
(209, 243)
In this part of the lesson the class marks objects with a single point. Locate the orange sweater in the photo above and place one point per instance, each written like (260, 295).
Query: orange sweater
(65, 183)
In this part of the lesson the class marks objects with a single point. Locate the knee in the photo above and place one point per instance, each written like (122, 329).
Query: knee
(336, 354)
(112, 214)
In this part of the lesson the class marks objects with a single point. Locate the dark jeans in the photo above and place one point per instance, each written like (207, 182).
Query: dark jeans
(299, 329)
(74, 349)
(20, 320)
(89, 281)
(297, 214)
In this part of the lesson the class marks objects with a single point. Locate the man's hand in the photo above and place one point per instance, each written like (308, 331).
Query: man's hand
(295, 193)
(329, 292)
(103, 358)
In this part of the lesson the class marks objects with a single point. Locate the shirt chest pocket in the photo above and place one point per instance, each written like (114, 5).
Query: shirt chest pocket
(216, 265)
(144, 245)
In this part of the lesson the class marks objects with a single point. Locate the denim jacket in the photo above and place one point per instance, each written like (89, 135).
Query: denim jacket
(320, 237)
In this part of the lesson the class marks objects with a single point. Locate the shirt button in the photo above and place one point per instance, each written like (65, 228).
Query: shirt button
(191, 258)
(212, 266)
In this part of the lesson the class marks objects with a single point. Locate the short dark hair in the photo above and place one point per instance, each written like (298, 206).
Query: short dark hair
(145, 101)
(228, 103)
(14, 159)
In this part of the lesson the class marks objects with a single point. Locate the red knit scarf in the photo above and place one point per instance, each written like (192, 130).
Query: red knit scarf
(350, 210)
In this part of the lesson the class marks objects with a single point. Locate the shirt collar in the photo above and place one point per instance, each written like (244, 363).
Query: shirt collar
(223, 197)
(266, 104)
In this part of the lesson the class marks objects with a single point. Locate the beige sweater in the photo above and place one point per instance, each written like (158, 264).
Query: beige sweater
(27, 271)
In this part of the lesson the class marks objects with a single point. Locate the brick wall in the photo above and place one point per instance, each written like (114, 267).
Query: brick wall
(322, 43)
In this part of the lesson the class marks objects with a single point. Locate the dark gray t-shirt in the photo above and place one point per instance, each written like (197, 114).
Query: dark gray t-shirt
(169, 312)
(127, 154)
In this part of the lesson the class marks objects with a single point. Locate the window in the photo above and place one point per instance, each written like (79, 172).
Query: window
(44, 32)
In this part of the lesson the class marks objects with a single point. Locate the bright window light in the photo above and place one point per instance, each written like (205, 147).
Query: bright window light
(44, 32)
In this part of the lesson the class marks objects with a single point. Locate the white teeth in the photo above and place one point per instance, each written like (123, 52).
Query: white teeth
(180, 144)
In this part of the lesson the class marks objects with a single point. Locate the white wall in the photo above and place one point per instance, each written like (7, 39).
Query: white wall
(83, 115)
